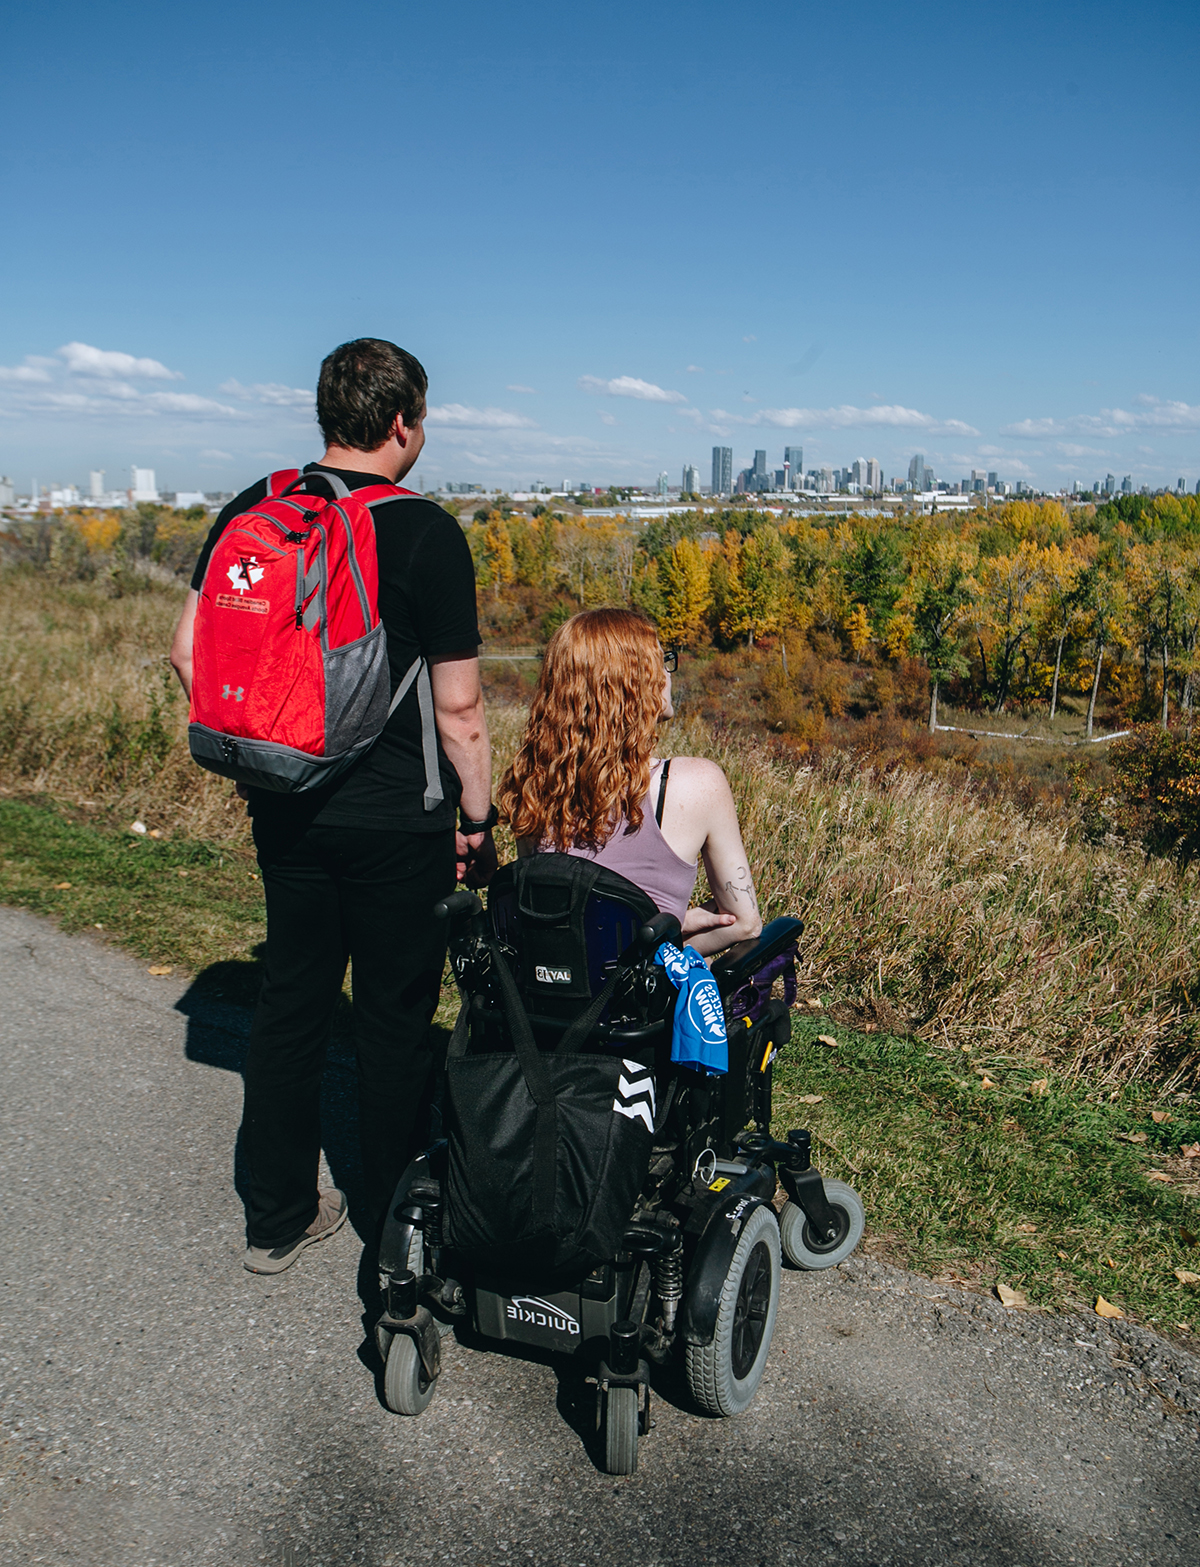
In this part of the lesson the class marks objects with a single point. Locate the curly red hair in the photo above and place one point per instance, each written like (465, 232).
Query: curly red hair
(584, 760)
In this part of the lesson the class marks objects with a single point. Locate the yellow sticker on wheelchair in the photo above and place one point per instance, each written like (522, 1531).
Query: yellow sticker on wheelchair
(719, 1184)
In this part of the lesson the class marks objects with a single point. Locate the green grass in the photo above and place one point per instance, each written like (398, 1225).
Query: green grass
(183, 903)
(950, 1170)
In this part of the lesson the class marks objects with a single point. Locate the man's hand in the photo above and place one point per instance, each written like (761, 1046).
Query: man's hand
(476, 858)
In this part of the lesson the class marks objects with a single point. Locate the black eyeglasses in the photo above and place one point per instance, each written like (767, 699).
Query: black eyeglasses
(670, 659)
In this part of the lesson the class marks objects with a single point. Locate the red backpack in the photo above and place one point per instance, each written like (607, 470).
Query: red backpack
(290, 682)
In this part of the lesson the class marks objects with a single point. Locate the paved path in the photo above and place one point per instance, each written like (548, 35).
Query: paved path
(161, 1406)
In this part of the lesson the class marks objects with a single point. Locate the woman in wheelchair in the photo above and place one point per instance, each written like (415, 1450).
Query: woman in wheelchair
(585, 780)
(596, 1194)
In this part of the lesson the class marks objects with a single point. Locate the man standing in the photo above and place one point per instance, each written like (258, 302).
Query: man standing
(351, 871)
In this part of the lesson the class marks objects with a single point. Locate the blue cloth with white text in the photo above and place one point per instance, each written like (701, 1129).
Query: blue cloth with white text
(699, 1039)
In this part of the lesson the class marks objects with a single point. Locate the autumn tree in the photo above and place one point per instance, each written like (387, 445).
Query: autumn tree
(686, 594)
(935, 602)
(1007, 603)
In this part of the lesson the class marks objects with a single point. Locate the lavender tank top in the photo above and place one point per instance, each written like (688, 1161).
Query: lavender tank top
(646, 859)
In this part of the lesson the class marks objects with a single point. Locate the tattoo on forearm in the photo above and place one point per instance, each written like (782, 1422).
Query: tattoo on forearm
(741, 887)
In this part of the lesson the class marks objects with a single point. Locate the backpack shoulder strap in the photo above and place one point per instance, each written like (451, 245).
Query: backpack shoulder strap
(372, 495)
(278, 482)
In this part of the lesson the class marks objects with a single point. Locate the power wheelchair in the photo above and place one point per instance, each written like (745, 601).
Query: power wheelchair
(692, 1271)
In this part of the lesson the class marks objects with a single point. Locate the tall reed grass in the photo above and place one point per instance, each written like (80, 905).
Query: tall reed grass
(929, 910)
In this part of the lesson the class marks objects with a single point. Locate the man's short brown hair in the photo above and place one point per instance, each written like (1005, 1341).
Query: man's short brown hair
(362, 387)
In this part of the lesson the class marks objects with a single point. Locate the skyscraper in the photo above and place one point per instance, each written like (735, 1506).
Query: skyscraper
(916, 472)
(874, 475)
(96, 483)
(793, 457)
(722, 470)
(691, 480)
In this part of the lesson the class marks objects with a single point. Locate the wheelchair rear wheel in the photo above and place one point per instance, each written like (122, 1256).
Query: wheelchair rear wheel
(406, 1388)
(802, 1248)
(723, 1376)
(621, 1430)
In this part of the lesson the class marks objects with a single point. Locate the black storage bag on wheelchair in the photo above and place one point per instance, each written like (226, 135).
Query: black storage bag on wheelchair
(547, 1150)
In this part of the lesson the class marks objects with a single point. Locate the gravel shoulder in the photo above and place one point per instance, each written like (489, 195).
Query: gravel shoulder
(161, 1406)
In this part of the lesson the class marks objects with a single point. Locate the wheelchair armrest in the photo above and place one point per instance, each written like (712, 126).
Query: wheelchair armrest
(734, 967)
(663, 927)
(457, 903)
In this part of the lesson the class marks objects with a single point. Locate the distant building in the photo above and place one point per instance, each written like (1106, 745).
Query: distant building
(662, 483)
(793, 461)
(825, 480)
(1110, 484)
(1180, 486)
(722, 470)
(96, 484)
(185, 498)
(143, 487)
(1127, 484)
(691, 480)
(978, 481)
(7, 494)
(916, 472)
(63, 499)
(874, 475)
(858, 472)
(993, 482)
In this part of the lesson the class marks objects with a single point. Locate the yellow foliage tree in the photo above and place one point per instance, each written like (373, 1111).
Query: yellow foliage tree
(858, 628)
(686, 591)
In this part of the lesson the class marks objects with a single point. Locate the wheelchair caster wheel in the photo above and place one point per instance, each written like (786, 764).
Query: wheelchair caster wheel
(621, 1430)
(406, 1388)
(802, 1248)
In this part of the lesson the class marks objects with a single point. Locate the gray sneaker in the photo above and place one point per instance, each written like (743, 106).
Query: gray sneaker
(332, 1213)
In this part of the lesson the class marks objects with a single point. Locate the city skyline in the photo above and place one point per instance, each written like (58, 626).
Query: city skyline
(981, 307)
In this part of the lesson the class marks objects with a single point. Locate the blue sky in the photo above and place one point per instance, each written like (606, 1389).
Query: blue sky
(616, 235)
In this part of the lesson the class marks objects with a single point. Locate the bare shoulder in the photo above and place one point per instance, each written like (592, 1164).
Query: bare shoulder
(697, 778)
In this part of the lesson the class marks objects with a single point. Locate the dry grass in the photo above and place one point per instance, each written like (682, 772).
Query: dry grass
(930, 911)
(91, 712)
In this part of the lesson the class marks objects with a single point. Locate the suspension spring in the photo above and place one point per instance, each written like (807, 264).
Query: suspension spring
(668, 1282)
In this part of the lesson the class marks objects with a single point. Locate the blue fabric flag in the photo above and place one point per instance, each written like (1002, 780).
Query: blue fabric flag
(699, 1039)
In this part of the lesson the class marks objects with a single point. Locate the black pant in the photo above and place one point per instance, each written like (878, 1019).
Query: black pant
(338, 893)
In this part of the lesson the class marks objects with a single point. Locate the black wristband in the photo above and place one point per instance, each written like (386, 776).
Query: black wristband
(469, 829)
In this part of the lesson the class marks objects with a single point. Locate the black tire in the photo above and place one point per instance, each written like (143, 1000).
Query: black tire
(621, 1430)
(723, 1376)
(802, 1248)
(405, 1387)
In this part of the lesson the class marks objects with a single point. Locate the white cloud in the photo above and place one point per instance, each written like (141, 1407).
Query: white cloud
(83, 359)
(459, 416)
(273, 393)
(847, 417)
(31, 370)
(1110, 422)
(630, 386)
(214, 454)
(607, 418)
(695, 369)
(514, 387)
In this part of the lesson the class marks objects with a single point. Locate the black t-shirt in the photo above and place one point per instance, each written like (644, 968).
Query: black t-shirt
(427, 606)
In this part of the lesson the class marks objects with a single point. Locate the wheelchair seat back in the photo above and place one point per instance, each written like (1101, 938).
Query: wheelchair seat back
(568, 928)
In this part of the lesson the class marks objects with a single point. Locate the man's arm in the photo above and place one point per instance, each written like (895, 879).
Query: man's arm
(181, 643)
(462, 727)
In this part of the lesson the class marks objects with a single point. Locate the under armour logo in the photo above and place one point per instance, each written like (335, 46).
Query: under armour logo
(245, 574)
(230, 692)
